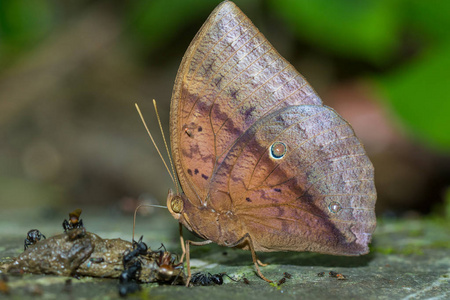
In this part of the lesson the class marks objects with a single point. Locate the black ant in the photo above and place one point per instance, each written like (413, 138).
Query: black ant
(130, 273)
(139, 248)
(132, 266)
(74, 220)
(128, 279)
(33, 236)
(208, 279)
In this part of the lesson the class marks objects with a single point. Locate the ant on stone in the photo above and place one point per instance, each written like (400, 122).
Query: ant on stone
(208, 279)
(128, 279)
(132, 265)
(139, 248)
(33, 236)
(74, 220)
(130, 273)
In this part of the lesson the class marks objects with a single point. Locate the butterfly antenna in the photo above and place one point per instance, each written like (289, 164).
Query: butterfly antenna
(154, 144)
(165, 143)
(135, 211)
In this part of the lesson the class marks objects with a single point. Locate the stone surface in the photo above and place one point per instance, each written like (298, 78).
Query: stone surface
(409, 259)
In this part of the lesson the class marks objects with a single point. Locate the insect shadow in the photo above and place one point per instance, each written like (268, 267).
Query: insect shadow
(237, 257)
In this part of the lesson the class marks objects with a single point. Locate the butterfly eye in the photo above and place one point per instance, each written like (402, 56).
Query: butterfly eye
(278, 150)
(335, 207)
(177, 204)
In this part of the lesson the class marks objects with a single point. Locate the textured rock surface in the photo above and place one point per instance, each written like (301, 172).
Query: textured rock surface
(409, 259)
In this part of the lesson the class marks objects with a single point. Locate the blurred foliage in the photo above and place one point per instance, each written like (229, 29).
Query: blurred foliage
(166, 25)
(22, 24)
(366, 30)
(375, 31)
(157, 22)
(418, 93)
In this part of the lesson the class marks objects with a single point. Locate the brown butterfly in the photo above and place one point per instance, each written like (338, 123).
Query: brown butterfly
(263, 164)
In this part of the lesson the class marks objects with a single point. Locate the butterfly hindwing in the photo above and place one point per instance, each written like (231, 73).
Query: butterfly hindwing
(318, 197)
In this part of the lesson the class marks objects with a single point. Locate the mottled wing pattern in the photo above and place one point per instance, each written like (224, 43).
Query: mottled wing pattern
(319, 197)
(234, 97)
(229, 78)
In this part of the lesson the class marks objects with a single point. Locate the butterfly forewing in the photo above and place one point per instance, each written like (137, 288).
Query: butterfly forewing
(229, 78)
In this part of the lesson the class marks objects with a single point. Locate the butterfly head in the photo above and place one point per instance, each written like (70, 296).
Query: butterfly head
(178, 206)
(175, 204)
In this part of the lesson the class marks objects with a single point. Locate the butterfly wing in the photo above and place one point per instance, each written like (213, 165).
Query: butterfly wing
(235, 96)
(319, 196)
(229, 78)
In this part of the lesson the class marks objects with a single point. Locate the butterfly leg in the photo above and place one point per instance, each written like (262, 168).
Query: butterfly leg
(188, 262)
(261, 263)
(183, 248)
(256, 261)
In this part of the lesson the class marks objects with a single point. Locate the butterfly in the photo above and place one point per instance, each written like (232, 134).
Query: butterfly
(262, 163)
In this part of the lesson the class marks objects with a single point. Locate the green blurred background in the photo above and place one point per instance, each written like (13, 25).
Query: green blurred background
(71, 71)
